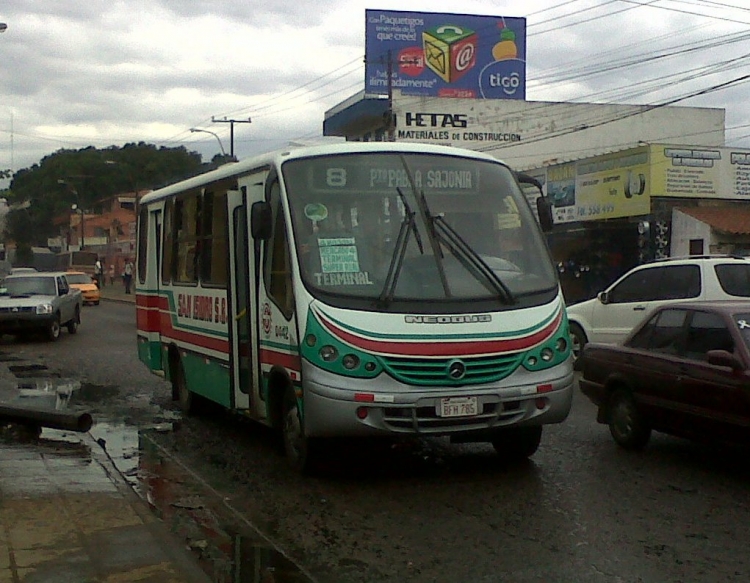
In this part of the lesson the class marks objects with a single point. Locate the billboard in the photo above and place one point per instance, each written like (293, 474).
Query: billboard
(445, 55)
(701, 172)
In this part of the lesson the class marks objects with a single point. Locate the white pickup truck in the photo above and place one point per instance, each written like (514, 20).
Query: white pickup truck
(39, 302)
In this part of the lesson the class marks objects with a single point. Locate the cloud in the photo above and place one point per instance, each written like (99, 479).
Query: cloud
(103, 73)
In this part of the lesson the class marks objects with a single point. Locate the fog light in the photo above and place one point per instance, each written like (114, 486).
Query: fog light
(547, 354)
(369, 366)
(532, 361)
(361, 412)
(350, 361)
(328, 353)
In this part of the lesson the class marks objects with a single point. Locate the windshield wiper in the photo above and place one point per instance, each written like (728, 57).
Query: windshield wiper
(394, 269)
(461, 248)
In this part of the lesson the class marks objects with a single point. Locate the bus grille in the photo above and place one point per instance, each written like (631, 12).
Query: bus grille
(434, 372)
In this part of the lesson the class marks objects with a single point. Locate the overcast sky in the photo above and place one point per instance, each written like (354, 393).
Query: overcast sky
(76, 74)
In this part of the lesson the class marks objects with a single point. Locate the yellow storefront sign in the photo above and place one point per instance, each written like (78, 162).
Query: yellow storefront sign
(603, 187)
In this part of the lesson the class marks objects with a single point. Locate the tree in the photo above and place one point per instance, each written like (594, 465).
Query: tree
(89, 175)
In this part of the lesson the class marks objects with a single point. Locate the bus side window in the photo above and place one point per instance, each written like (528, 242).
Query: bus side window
(214, 255)
(143, 228)
(167, 263)
(277, 267)
(188, 209)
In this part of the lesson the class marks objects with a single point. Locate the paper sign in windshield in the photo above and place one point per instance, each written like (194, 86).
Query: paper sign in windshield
(338, 255)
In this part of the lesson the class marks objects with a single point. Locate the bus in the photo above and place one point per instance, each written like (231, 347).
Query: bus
(77, 261)
(358, 289)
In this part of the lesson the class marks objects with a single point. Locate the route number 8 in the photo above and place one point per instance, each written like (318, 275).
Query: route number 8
(336, 177)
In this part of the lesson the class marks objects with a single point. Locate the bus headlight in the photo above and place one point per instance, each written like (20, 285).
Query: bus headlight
(350, 361)
(561, 345)
(328, 353)
(547, 354)
(44, 309)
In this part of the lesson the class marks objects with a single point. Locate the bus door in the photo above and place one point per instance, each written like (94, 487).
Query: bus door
(244, 262)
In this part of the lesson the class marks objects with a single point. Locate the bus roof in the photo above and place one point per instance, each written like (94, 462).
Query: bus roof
(276, 157)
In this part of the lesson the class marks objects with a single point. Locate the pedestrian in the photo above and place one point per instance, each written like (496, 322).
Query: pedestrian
(127, 275)
(111, 274)
(98, 273)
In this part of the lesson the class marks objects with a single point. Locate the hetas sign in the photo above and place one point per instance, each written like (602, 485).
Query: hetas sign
(452, 122)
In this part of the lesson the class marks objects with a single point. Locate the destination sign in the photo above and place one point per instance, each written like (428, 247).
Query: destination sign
(340, 174)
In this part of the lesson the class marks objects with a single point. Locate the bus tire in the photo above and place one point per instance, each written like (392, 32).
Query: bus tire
(302, 452)
(517, 443)
(180, 392)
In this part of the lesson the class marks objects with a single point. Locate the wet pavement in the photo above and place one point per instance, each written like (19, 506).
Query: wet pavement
(109, 504)
(66, 515)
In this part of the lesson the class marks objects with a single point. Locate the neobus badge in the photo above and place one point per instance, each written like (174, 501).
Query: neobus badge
(460, 319)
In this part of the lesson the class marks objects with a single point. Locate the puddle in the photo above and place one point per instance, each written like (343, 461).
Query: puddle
(88, 393)
(226, 546)
(30, 370)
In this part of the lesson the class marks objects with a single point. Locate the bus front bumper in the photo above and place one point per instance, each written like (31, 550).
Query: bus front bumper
(383, 406)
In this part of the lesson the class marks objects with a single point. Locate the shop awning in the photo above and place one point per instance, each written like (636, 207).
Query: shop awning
(725, 219)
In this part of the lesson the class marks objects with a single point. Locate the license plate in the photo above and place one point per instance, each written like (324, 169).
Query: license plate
(458, 407)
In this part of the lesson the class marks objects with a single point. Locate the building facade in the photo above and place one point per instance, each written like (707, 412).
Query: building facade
(615, 173)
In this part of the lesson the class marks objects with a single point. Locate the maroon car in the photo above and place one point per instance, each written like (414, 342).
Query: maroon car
(685, 371)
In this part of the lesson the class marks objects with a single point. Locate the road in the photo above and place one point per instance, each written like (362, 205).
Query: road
(582, 510)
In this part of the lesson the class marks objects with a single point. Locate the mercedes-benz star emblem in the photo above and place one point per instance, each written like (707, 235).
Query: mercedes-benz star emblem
(456, 370)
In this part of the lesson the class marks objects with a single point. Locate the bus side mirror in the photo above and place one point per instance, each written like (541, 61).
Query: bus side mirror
(260, 220)
(543, 205)
(544, 209)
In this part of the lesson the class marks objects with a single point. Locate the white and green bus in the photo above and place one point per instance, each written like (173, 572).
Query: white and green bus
(358, 289)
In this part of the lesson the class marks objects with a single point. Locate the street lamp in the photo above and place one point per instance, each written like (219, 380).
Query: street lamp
(75, 208)
(218, 139)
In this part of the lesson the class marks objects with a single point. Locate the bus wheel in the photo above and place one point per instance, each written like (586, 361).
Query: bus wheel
(301, 451)
(517, 443)
(180, 392)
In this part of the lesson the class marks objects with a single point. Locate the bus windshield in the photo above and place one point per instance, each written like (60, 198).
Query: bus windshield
(415, 227)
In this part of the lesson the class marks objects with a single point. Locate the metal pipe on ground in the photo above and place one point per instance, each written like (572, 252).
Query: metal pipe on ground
(81, 422)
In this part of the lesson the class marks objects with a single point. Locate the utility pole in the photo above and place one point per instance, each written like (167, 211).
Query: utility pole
(391, 126)
(231, 123)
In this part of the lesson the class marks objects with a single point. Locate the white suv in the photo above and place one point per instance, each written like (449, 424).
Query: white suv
(611, 315)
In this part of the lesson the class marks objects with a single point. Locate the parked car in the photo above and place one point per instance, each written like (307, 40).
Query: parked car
(611, 315)
(82, 281)
(39, 302)
(684, 371)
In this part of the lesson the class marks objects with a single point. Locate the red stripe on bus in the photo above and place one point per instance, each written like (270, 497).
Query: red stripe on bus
(272, 357)
(153, 315)
(424, 348)
(148, 301)
(147, 320)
